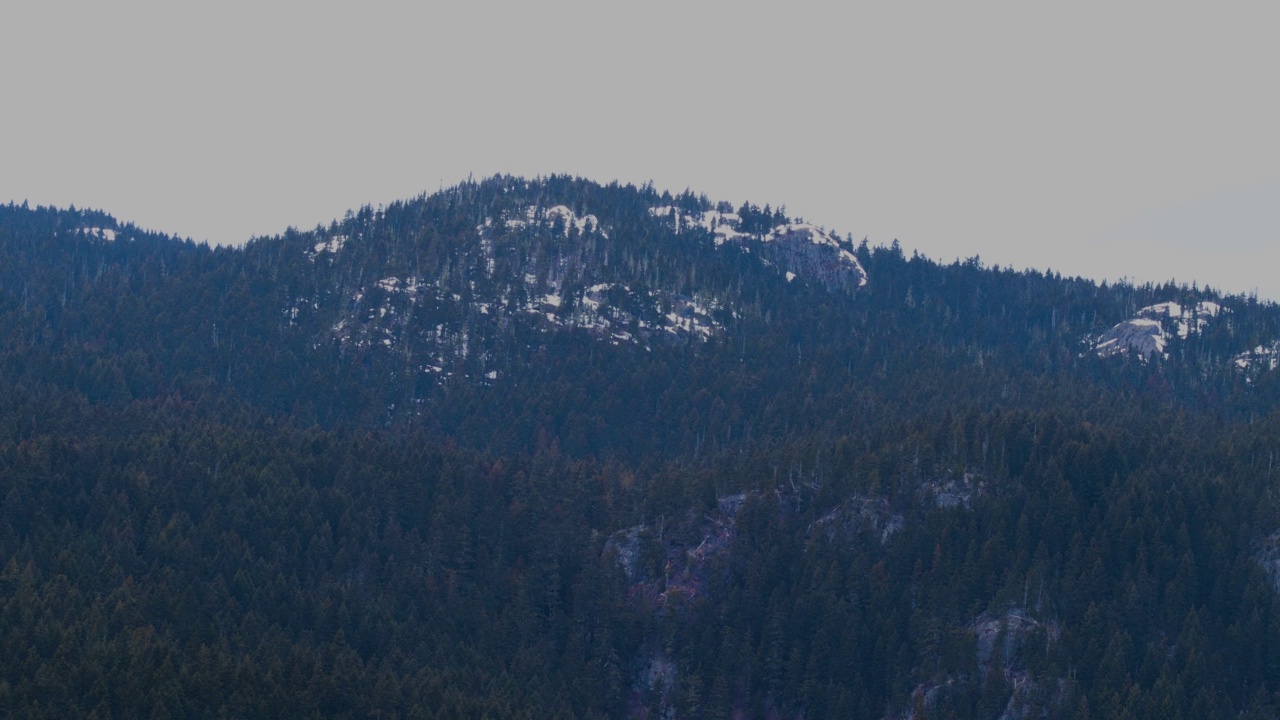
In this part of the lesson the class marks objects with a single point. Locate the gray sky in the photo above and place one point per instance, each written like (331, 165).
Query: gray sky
(1088, 138)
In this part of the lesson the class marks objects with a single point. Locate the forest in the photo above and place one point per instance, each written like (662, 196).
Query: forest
(550, 448)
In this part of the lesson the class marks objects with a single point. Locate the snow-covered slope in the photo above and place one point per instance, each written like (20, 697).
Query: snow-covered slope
(551, 266)
(543, 268)
(576, 295)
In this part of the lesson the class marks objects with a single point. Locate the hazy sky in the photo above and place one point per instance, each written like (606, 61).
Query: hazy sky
(1090, 138)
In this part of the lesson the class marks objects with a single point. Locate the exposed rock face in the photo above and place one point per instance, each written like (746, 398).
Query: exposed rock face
(655, 688)
(1268, 556)
(954, 492)
(858, 514)
(1147, 333)
(1003, 641)
(1006, 633)
(667, 567)
(800, 250)
(810, 252)
(1140, 336)
(625, 546)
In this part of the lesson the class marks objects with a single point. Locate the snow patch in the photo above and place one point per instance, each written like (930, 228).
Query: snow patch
(558, 215)
(1187, 320)
(332, 245)
(101, 233)
(1263, 358)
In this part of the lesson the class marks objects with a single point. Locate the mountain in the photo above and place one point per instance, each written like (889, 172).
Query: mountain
(552, 448)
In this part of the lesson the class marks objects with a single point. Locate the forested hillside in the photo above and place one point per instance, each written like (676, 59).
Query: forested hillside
(547, 448)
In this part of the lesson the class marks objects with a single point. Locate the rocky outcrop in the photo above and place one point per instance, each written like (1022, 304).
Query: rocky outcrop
(1146, 334)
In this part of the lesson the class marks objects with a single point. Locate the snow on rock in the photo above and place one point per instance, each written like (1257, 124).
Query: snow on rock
(584, 224)
(101, 233)
(722, 225)
(804, 250)
(1142, 336)
(692, 317)
(1262, 358)
(623, 315)
(1187, 320)
(376, 314)
(1148, 332)
(556, 217)
(817, 253)
(382, 314)
(331, 246)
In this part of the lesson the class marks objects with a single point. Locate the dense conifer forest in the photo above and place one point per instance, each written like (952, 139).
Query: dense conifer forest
(554, 449)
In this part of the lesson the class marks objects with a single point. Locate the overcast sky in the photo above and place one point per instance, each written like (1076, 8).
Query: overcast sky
(1092, 138)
